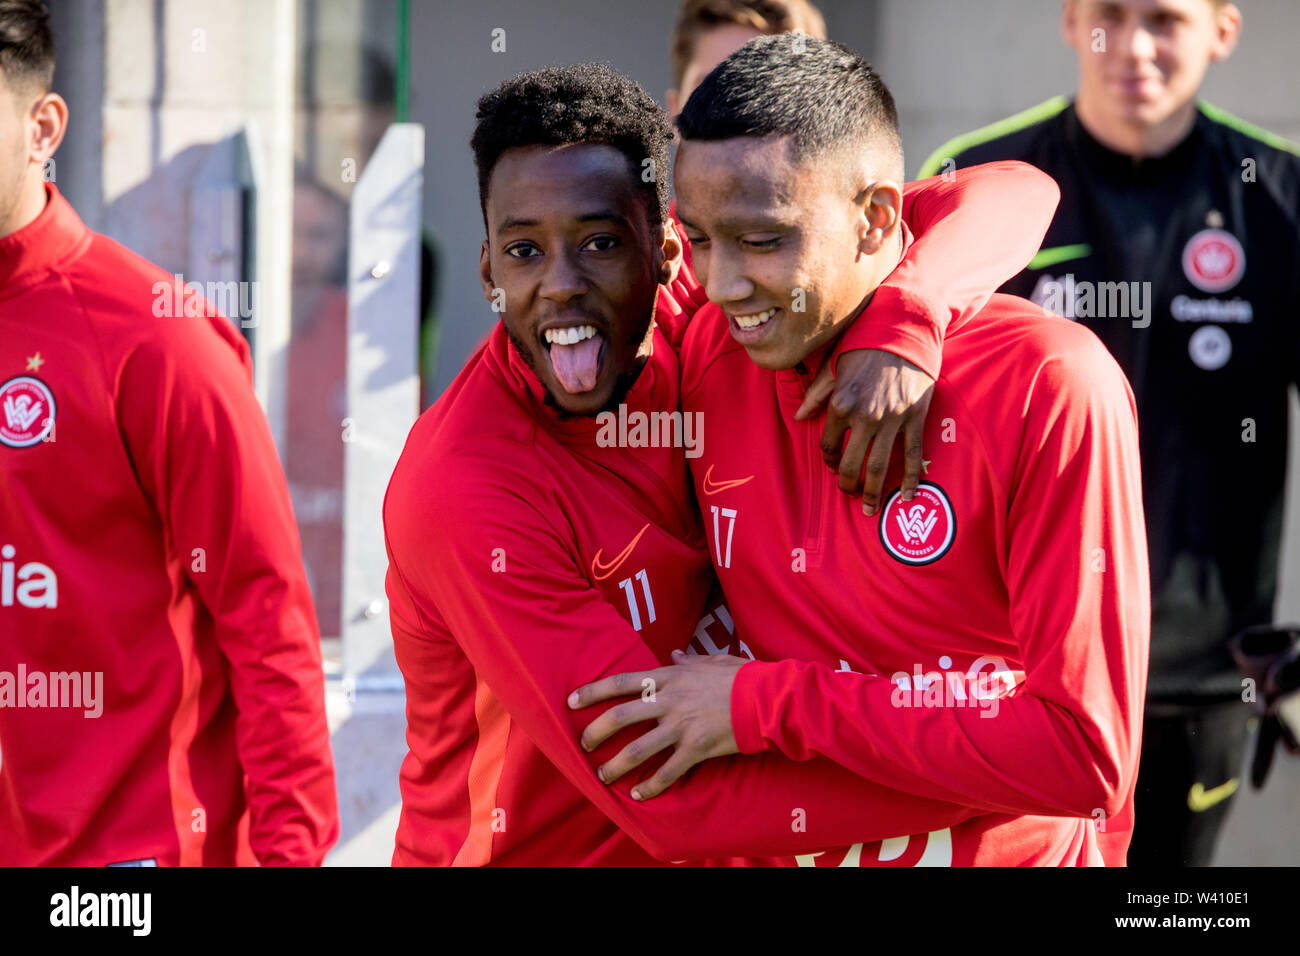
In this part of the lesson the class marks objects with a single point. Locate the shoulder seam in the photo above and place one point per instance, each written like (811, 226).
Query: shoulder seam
(1003, 127)
(110, 382)
(109, 374)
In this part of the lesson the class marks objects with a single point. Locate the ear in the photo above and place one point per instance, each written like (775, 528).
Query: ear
(485, 272)
(671, 250)
(49, 117)
(1227, 31)
(881, 212)
(1069, 19)
(674, 104)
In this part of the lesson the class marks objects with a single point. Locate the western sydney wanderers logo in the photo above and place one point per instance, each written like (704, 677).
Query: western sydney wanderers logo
(919, 531)
(1214, 260)
(26, 411)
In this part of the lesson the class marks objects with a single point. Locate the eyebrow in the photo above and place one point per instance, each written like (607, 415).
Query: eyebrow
(740, 223)
(600, 215)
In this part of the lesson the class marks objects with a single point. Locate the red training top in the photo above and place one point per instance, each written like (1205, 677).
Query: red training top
(161, 693)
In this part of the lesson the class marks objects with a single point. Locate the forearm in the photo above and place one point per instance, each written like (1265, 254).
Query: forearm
(1001, 754)
(282, 736)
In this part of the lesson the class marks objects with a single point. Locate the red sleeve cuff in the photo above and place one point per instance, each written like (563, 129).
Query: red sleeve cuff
(745, 694)
(901, 323)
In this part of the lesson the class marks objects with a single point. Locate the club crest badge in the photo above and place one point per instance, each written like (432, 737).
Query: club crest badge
(26, 412)
(919, 531)
(1213, 260)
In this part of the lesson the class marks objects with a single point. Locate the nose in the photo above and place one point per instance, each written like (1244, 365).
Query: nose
(723, 276)
(1136, 43)
(562, 277)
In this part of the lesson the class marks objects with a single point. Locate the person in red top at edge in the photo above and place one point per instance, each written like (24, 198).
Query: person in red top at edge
(161, 692)
(531, 549)
(993, 653)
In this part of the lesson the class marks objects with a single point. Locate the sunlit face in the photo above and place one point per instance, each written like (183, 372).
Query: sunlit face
(15, 145)
(711, 48)
(32, 124)
(777, 243)
(572, 256)
(1140, 61)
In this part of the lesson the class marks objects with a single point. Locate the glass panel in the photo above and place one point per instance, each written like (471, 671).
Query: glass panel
(346, 97)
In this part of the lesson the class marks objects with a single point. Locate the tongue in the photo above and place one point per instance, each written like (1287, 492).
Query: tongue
(576, 366)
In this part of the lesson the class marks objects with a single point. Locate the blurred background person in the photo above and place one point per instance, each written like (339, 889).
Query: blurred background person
(706, 32)
(317, 369)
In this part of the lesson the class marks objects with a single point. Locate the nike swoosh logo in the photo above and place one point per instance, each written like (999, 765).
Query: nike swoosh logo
(712, 487)
(1046, 258)
(600, 570)
(1199, 799)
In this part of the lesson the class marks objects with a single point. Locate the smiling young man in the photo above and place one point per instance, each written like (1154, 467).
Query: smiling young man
(1197, 213)
(895, 364)
(984, 644)
(527, 555)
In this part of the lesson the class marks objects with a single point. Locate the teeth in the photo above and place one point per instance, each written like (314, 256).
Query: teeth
(570, 336)
(755, 320)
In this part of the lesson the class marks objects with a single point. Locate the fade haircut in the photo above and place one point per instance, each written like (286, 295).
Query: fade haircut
(821, 94)
(562, 106)
(26, 45)
(697, 17)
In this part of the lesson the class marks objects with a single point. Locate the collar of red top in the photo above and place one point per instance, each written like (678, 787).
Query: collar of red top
(39, 247)
(652, 391)
(798, 378)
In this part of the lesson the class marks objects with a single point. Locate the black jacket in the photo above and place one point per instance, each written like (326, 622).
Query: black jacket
(1187, 266)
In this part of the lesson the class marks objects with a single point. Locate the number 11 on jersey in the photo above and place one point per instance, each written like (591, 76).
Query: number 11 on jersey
(633, 611)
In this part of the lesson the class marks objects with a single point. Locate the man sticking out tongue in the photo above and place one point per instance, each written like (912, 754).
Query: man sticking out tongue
(576, 353)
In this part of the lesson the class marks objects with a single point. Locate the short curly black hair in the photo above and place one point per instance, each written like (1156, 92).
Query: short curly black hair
(585, 103)
(821, 94)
